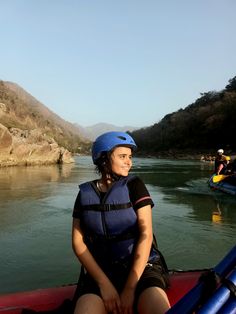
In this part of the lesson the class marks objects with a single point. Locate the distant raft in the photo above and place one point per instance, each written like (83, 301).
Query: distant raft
(224, 183)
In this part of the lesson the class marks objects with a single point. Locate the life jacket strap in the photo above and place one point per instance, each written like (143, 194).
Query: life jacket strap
(106, 207)
(115, 238)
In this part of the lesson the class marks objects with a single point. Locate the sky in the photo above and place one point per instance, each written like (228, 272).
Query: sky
(122, 62)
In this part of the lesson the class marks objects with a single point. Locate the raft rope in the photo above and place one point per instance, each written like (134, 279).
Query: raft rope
(230, 285)
(211, 281)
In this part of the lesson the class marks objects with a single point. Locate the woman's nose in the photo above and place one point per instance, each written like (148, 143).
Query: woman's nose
(128, 160)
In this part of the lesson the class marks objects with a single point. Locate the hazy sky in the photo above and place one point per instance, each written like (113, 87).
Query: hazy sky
(124, 62)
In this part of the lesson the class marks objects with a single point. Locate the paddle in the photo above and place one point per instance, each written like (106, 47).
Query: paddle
(219, 177)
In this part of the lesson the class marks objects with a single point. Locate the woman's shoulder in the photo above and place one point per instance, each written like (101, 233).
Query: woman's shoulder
(87, 183)
(136, 184)
(134, 179)
(139, 194)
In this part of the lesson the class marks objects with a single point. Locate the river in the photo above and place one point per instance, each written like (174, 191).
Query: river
(194, 226)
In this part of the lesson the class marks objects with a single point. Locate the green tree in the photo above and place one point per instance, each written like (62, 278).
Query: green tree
(232, 85)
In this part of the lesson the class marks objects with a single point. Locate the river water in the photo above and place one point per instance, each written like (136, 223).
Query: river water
(194, 226)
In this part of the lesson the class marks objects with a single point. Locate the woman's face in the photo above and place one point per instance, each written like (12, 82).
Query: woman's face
(121, 161)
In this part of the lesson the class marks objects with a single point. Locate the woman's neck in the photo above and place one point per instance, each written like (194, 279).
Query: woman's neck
(104, 183)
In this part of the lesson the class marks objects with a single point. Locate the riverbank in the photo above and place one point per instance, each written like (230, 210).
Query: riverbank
(184, 155)
(171, 155)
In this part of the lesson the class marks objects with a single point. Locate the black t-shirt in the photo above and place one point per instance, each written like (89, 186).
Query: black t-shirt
(139, 196)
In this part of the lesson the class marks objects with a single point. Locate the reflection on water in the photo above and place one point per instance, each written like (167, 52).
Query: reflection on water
(217, 214)
(194, 225)
(14, 180)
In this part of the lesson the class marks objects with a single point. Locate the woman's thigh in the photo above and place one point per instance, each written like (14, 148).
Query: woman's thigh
(90, 304)
(153, 300)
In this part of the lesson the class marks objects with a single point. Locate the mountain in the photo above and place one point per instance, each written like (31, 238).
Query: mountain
(203, 126)
(31, 134)
(21, 110)
(93, 131)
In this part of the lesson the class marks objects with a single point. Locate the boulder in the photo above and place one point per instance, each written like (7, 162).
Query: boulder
(5, 139)
(30, 147)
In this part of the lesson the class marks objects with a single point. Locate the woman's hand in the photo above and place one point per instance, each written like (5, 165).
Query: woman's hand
(109, 294)
(110, 297)
(127, 300)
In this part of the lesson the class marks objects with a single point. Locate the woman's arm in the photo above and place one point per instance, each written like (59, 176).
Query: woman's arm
(82, 252)
(143, 246)
(141, 254)
(108, 291)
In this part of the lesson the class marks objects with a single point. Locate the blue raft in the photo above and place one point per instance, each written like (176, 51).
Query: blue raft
(227, 185)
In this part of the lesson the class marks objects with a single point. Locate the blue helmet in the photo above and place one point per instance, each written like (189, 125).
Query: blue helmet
(109, 140)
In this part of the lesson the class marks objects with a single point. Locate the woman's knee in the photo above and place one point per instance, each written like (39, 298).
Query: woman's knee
(153, 300)
(90, 304)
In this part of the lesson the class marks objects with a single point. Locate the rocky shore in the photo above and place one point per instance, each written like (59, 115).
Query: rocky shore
(30, 147)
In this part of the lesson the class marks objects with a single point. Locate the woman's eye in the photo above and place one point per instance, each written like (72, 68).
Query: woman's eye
(125, 156)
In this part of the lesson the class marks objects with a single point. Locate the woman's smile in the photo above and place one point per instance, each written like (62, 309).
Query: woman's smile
(121, 160)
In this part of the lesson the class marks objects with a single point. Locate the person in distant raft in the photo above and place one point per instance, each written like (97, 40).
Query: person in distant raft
(221, 162)
(122, 269)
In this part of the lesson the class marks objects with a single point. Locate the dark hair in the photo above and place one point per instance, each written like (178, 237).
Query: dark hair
(103, 166)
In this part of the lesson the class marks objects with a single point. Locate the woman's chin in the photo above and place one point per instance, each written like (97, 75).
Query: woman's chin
(123, 173)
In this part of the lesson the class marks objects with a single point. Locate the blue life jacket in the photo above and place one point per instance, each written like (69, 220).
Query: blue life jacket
(110, 225)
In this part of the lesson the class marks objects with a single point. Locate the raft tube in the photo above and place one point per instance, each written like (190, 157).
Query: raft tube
(219, 298)
(190, 302)
(223, 186)
(229, 307)
(58, 299)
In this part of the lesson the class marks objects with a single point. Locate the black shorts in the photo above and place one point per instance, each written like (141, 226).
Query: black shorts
(154, 275)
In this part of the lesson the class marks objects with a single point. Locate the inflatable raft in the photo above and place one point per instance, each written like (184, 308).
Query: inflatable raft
(187, 293)
(226, 185)
(49, 299)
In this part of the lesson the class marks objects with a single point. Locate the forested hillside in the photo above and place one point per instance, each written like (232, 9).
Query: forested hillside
(204, 126)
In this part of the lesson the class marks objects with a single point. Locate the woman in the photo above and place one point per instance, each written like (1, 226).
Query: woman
(112, 237)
